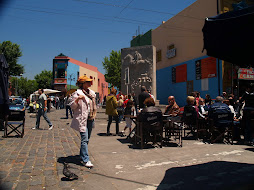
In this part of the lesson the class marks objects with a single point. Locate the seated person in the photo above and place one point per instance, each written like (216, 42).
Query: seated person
(172, 109)
(190, 112)
(151, 118)
(150, 113)
(202, 108)
(220, 113)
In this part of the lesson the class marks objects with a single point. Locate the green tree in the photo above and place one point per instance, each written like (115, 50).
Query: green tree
(112, 65)
(12, 52)
(23, 86)
(44, 79)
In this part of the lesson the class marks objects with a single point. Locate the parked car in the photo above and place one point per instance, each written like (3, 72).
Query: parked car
(17, 110)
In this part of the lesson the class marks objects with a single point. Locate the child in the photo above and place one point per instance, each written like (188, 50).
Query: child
(128, 112)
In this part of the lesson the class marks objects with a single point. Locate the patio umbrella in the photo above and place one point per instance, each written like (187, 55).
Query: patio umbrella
(229, 36)
(48, 91)
(4, 97)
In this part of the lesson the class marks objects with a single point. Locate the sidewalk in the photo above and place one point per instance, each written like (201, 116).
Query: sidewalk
(35, 161)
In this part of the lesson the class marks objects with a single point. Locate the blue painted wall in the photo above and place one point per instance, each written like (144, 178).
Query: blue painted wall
(72, 68)
(165, 87)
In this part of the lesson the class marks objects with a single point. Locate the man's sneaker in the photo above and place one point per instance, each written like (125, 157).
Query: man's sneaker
(35, 128)
(51, 127)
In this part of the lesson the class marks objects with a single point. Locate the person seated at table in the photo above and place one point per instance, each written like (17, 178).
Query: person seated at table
(151, 117)
(150, 113)
(220, 113)
(172, 109)
(202, 108)
(190, 112)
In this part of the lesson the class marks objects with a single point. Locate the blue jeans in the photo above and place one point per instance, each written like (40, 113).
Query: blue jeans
(84, 148)
(90, 124)
(43, 113)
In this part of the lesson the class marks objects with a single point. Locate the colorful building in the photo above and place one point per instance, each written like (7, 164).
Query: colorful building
(67, 70)
(181, 64)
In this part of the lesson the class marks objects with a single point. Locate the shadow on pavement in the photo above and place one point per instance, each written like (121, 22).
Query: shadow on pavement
(250, 149)
(102, 134)
(170, 144)
(70, 159)
(219, 175)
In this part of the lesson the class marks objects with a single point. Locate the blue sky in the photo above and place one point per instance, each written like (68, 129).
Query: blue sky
(79, 28)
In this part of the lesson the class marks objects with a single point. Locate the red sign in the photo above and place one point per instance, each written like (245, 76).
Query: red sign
(208, 67)
(246, 74)
(181, 73)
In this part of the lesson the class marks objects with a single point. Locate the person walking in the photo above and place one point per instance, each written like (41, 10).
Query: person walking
(111, 105)
(48, 103)
(79, 104)
(68, 107)
(57, 102)
(42, 111)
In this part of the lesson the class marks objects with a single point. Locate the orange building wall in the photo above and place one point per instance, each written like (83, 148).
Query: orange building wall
(184, 30)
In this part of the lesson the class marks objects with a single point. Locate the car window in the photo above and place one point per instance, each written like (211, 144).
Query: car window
(16, 102)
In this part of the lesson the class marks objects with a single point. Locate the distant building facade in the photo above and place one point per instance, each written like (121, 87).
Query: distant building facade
(67, 70)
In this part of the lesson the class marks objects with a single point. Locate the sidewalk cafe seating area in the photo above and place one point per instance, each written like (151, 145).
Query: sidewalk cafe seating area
(163, 129)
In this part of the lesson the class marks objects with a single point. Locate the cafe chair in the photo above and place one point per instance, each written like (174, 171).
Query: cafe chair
(15, 122)
(150, 128)
(189, 120)
(221, 127)
(172, 129)
(203, 129)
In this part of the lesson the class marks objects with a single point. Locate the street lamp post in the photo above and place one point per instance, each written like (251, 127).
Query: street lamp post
(71, 78)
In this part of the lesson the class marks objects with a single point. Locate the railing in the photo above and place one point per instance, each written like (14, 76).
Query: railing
(60, 81)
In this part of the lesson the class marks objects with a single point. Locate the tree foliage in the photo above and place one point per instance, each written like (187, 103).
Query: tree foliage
(112, 65)
(23, 86)
(44, 79)
(12, 52)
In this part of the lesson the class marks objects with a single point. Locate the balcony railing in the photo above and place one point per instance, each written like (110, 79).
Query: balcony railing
(60, 81)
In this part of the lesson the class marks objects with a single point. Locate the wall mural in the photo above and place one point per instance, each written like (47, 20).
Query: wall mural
(140, 66)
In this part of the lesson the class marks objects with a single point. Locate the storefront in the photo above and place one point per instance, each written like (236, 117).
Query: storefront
(245, 76)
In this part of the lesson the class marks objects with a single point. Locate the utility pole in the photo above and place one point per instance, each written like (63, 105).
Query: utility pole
(71, 78)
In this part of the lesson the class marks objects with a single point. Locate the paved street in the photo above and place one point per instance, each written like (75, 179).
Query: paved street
(36, 161)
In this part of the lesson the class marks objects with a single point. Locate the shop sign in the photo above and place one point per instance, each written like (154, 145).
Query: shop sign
(246, 74)
(171, 53)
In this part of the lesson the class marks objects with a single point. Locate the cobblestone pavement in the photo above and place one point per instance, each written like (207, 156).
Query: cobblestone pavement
(36, 161)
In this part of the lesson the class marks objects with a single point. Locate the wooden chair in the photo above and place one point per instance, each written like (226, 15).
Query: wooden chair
(15, 122)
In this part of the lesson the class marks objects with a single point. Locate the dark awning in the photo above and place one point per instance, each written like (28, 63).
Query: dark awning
(230, 36)
(4, 97)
